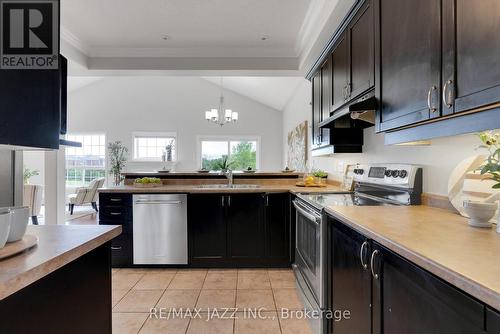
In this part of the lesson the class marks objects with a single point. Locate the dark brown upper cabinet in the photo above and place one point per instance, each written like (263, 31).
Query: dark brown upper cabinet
(316, 110)
(326, 96)
(340, 80)
(360, 35)
(471, 54)
(408, 61)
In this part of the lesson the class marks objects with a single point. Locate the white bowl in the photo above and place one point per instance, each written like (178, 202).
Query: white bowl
(5, 218)
(19, 223)
(480, 213)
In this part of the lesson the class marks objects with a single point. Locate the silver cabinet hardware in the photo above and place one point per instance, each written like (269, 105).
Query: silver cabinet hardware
(446, 96)
(115, 199)
(222, 200)
(116, 248)
(361, 255)
(115, 213)
(228, 200)
(372, 261)
(429, 99)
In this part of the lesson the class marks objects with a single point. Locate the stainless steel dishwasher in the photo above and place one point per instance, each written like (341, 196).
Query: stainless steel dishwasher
(160, 229)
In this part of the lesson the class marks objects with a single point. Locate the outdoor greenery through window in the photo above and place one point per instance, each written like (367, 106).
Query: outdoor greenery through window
(241, 154)
(86, 163)
(152, 146)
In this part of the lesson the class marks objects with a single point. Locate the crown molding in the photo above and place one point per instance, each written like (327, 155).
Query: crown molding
(74, 41)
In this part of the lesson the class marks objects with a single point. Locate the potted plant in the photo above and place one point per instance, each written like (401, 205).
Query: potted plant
(491, 167)
(320, 176)
(28, 173)
(224, 164)
(118, 156)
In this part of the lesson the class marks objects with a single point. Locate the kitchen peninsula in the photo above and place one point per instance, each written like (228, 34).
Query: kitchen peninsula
(62, 285)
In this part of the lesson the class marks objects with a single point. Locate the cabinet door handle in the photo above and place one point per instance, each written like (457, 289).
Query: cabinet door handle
(267, 200)
(348, 91)
(222, 200)
(115, 213)
(116, 248)
(372, 261)
(446, 102)
(361, 255)
(429, 99)
(228, 200)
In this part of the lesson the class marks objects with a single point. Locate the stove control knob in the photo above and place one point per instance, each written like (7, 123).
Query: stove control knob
(388, 172)
(361, 171)
(403, 173)
(395, 173)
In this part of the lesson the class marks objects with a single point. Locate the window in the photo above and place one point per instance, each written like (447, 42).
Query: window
(86, 163)
(152, 146)
(240, 152)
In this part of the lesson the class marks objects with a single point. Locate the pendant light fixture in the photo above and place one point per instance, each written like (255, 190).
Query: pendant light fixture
(221, 115)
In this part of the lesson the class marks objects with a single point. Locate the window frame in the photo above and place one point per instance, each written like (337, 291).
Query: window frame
(145, 134)
(227, 139)
(105, 167)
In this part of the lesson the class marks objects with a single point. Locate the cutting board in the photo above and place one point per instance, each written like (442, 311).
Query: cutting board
(466, 183)
(13, 248)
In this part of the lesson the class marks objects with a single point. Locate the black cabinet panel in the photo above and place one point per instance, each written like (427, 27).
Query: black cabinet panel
(413, 301)
(277, 229)
(361, 51)
(206, 228)
(340, 71)
(471, 54)
(408, 59)
(492, 321)
(245, 226)
(326, 94)
(30, 105)
(350, 280)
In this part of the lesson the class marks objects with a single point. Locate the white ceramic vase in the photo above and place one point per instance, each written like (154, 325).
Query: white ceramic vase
(5, 218)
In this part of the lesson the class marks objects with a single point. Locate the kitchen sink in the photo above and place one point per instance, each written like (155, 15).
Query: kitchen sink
(229, 186)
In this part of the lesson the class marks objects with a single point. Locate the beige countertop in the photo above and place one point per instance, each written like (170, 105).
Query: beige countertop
(264, 188)
(436, 240)
(57, 246)
(211, 174)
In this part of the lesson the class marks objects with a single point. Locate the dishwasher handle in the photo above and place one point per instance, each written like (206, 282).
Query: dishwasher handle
(157, 202)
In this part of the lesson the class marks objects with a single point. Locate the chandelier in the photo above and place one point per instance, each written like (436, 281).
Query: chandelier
(221, 115)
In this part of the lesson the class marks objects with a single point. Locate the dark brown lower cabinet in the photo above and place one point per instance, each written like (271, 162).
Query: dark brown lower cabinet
(351, 280)
(386, 294)
(239, 230)
(492, 321)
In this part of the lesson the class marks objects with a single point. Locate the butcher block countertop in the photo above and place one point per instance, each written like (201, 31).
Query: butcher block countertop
(437, 240)
(57, 246)
(196, 189)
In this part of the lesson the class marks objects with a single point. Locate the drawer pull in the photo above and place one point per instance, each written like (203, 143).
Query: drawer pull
(116, 248)
(115, 213)
(372, 261)
(115, 199)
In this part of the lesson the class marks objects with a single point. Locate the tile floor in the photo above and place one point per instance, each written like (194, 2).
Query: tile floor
(137, 291)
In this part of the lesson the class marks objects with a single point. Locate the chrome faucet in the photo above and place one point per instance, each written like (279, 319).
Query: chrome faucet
(229, 174)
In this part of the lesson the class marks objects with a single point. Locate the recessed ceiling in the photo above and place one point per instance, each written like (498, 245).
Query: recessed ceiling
(188, 23)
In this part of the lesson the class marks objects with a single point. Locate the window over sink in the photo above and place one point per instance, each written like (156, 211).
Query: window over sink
(240, 152)
(153, 146)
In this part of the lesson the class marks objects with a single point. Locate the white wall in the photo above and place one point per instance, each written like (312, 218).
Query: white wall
(118, 106)
(438, 160)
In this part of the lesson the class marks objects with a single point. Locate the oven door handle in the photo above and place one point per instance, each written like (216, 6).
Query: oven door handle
(309, 215)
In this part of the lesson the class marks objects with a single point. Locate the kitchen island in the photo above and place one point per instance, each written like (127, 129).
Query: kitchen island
(62, 285)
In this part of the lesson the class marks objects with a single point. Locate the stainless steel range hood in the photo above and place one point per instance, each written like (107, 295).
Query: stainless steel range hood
(362, 110)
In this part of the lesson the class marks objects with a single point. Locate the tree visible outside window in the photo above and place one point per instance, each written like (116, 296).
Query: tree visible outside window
(86, 163)
(241, 154)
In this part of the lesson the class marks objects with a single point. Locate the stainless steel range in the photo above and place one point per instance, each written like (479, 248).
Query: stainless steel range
(374, 185)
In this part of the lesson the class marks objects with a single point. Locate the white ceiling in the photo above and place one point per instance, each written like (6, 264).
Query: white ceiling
(198, 24)
(206, 37)
(274, 92)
